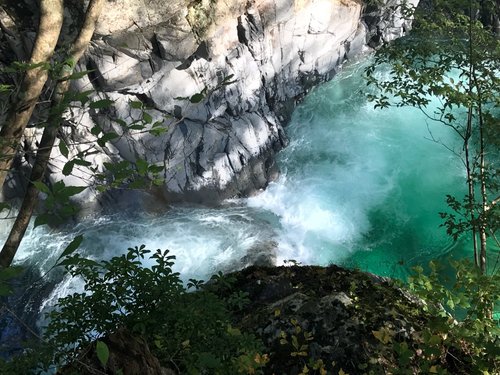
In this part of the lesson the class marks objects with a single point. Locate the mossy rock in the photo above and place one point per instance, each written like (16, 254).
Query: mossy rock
(325, 317)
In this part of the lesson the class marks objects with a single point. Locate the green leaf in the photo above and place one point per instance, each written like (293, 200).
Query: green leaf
(101, 188)
(41, 220)
(137, 184)
(142, 166)
(5, 289)
(63, 148)
(58, 186)
(78, 261)
(103, 103)
(83, 163)
(41, 187)
(208, 360)
(96, 130)
(78, 75)
(82, 97)
(5, 88)
(158, 131)
(136, 105)
(156, 168)
(148, 119)
(435, 340)
(69, 191)
(136, 127)
(4, 206)
(68, 168)
(73, 245)
(120, 122)
(10, 272)
(102, 352)
(196, 98)
(106, 138)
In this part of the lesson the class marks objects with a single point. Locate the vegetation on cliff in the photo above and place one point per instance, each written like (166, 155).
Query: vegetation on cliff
(452, 55)
(134, 319)
(288, 320)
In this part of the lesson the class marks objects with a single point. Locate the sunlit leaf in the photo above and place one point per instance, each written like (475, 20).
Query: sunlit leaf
(41, 187)
(102, 352)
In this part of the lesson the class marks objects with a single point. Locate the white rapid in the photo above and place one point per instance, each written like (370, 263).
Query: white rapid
(359, 187)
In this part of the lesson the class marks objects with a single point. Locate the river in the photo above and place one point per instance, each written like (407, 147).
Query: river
(360, 187)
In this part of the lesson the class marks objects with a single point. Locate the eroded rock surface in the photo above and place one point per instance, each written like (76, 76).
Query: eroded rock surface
(224, 144)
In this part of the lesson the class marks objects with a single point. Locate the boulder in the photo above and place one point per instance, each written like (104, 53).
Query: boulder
(336, 315)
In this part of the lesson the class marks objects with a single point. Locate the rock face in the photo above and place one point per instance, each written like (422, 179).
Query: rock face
(340, 320)
(251, 61)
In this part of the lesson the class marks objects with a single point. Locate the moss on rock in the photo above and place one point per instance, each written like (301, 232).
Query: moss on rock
(327, 318)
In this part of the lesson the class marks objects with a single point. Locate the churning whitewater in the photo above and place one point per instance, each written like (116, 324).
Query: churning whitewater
(358, 186)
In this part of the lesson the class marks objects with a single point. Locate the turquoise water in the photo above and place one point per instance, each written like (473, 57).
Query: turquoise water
(359, 187)
(363, 187)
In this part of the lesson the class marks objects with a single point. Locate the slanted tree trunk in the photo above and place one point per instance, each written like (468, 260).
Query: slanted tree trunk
(49, 136)
(51, 19)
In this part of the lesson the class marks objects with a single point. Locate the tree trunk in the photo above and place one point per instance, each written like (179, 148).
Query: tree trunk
(470, 186)
(51, 19)
(49, 136)
(30, 198)
(468, 135)
(484, 196)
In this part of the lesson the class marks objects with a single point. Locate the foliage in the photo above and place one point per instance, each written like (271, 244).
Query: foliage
(189, 331)
(296, 343)
(199, 338)
(452, 56)
(197, 332)
(201, 15)
(58, 205)
(458, 320)
(7, 274)
(77, 153)
(454, 336)
(35, 353)
(457, 337)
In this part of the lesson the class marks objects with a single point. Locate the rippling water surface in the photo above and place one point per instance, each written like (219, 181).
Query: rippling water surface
(359, 187)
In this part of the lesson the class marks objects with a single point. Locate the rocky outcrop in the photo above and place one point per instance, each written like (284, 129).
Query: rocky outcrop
(315, 320)
(250, 61)
(335, 321)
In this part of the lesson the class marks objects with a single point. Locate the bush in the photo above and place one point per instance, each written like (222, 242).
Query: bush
(190, 332)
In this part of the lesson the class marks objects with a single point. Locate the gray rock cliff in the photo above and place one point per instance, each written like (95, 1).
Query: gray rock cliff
(253, 61)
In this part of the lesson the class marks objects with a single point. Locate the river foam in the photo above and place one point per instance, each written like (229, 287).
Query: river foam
(361, 183)
(359, 187)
